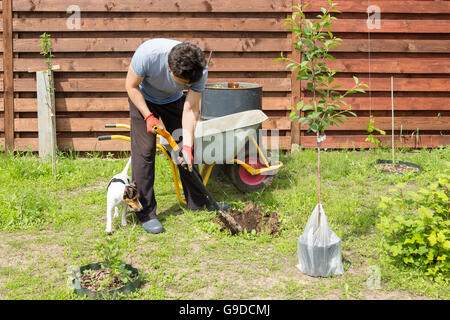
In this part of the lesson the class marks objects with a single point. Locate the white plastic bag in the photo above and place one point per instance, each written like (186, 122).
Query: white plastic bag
(319, 248)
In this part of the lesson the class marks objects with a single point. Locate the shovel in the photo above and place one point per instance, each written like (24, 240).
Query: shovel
(236, 227)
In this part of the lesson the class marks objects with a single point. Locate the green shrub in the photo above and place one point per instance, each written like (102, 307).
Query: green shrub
(416, 226)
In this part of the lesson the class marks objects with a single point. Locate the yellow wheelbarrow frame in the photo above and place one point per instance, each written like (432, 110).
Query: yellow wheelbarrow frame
(206, 169)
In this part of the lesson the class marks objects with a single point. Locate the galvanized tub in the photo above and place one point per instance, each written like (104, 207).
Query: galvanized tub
(218, 100)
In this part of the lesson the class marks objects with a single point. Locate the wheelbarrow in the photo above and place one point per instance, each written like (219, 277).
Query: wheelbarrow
(225, 140)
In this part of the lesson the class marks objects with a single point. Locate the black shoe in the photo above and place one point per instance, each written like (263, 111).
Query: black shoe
(222, 205)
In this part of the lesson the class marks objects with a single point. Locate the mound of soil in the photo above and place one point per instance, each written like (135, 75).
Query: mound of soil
(95, 278)
(253, 218)
(389, 167)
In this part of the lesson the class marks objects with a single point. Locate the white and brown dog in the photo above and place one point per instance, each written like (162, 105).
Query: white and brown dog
(121, 193)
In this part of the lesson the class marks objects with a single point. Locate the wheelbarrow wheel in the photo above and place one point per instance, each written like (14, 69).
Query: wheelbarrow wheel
(246, 182)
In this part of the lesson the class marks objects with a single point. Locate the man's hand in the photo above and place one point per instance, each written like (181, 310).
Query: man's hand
(186, 158)
(151, 122)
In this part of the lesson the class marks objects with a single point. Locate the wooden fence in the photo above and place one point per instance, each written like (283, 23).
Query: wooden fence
(413, 45)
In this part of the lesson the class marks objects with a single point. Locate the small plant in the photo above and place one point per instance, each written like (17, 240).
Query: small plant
(113, 273)
(370, 129)
(416, 226)
(46, 47)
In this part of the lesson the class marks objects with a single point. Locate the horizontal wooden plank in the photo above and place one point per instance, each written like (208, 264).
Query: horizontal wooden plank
(283, 143)
(131, 44)
(277, 123)
(430, 7)
(393, 65)
(226, 6)
(234, 45)
(385, 123)
(400, 103)
(71, 124)
(358, 141)
(397, 65)
(97, 124)
(74, 144)
(155, 6)
(400, 84)
(118, 85)
(122, 64)
(397, 45)
(393, 26)
(221, 24)
(151, 24)
(116, 104)
(92, 144)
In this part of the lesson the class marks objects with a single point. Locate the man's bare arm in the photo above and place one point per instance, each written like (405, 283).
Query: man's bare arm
(132, 86)
(191, 114)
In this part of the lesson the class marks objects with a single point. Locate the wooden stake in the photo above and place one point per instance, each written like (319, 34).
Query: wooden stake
(392, 102)
(46, 115)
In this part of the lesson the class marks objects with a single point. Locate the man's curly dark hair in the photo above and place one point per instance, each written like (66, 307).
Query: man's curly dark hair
(187, 61)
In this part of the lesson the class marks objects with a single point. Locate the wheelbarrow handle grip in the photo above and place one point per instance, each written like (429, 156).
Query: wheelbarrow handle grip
(102, 138)
(166, 135)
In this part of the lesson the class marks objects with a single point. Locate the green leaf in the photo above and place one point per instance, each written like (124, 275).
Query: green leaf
(408, 260)
(426, 212)
(432, 238)
(308, 107)
(314, 115)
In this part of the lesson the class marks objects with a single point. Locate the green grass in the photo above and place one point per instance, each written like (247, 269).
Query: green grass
(48, 225)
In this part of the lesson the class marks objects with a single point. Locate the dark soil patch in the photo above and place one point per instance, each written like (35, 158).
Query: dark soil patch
(389, 167)
(253, 218)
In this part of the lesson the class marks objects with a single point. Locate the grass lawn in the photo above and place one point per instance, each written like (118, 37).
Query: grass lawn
(47, 226)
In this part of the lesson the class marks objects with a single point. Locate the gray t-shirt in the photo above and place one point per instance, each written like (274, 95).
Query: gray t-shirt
(151, 62)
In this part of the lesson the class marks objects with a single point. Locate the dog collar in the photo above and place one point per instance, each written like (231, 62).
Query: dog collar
(118, 180)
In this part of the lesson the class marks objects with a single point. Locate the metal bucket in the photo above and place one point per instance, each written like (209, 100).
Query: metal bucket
(218, 100)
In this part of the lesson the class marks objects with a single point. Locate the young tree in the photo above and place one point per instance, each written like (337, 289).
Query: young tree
(326, 107)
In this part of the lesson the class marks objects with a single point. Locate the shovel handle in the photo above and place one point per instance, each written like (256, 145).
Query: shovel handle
(166, 135)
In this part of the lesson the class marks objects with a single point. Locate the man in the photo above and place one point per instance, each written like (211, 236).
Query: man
(159, 72)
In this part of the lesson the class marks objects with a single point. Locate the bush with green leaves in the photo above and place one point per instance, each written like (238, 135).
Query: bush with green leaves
(416, 225)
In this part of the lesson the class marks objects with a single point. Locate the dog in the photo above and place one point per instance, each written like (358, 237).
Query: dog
(121, 193)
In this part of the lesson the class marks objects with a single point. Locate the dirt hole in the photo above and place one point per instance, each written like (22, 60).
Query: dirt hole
(253, 218)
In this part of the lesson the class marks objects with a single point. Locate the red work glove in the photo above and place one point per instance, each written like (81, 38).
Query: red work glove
(187, 158)
(151, 122)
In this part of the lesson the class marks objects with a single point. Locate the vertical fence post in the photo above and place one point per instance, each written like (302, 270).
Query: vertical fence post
(295, 92)
(46, 115)
(8, 74)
